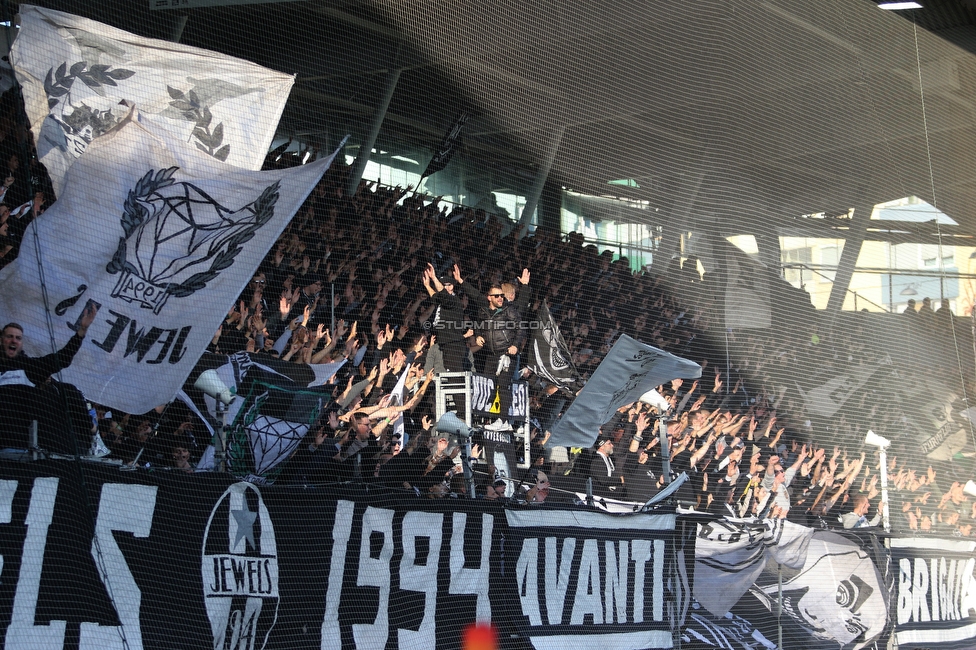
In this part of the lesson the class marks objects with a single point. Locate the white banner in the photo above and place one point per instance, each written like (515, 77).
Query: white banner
(628, 371)
(828, 398)
(163, 240)
(730, 555)
(76, 72)
(837, 596)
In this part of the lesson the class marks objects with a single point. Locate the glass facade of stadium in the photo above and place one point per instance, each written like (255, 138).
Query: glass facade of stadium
(887, 275)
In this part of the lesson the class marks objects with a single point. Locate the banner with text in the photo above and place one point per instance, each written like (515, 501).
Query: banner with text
(94, 557)
(97, 558)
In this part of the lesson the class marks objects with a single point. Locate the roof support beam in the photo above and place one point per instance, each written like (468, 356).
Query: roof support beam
(532, 199)
(688, 190)
(845, 268)
(356, 173)
(770, 253)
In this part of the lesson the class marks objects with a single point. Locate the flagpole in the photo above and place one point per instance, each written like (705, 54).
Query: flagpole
(662, 436)
(728, 363)
(23, 124)
(885, 520)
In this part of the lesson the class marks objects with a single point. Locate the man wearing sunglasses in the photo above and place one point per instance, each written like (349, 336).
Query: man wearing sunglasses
(499, 331)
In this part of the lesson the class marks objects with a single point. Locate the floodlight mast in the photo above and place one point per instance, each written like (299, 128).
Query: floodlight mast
(882, 444)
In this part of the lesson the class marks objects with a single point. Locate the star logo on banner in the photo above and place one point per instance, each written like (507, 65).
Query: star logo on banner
(245, 525)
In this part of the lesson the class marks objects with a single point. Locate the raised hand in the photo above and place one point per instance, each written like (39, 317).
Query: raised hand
(258, 323)
(87, 318)
(642, 423)
(286, 303)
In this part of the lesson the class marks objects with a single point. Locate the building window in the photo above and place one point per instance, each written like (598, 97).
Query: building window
(798, 276)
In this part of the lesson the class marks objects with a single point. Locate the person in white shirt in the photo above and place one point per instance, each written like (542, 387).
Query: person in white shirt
(858, 518)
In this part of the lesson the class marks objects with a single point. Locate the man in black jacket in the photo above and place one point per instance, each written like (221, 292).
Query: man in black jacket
(501, 334)
(448, 319)
(38, 369)
(22, 404)
(607, 477)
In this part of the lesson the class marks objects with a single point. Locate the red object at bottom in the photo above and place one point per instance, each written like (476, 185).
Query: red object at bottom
(480, 637)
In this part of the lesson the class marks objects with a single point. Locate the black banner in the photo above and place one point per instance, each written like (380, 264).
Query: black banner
(97, 557)
(935, 592)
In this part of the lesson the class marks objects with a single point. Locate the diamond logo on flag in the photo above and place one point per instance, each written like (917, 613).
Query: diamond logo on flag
(161, 238)
(175, 229)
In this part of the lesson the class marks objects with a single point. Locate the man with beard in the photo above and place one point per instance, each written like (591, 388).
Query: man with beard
(607, 479)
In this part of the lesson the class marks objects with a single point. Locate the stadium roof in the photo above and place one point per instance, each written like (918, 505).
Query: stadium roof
(729, 115)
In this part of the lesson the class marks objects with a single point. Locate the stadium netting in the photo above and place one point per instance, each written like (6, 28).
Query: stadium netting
(254, 256)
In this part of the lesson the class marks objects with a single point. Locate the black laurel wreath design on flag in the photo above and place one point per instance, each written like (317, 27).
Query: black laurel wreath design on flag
(135, 215)
(193, 110)
(58, 82)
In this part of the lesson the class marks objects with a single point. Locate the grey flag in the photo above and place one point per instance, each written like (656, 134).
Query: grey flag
(630, 369)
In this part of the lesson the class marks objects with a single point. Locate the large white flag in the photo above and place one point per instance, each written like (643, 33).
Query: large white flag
(630, 369)
(828, 398)
(163, 239)
(76, 72)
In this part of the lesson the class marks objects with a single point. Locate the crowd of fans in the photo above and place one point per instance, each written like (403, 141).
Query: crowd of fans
(395, 282)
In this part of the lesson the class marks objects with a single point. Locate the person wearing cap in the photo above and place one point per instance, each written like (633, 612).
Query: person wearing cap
(607, 479)
(496, 490)
(308, 297)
